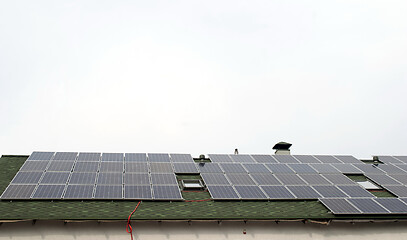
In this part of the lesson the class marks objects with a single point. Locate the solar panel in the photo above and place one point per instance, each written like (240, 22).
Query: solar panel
(314, 179)
(220, 158)
(255, 168)
(304, 192)
(136, 167)
(47, 191)
(214, 179)
(327, 159)
(367, 168)
(401, 158)
(112, 157)
(185, 168)
(110, 178)
(65, 156)
(401, 166)
(27, 177)
(60, 166)
(264, 158)
(177, 157)
(389, 159)
(83, 178)
(161, 167)
(355, 191)
(290, 179)
(391, 169)
(339, 206)
(285, 159)
(158, 157)
(18, 191)
(330, 192)
(242, 158)
(209, 168)
(88, 157)
(301, 168)
(55, 178)
(265, 179)
(240, 179)
(324, 168)
(111, 167)
(277, 192)
(400, 177)
(306, 159)
(109, 192)
(232, 168)
(41, 156)
(34, 166)
(222, 192)
(135, 157)
(166, 192)
(348, 159)
(279, 168)
(399, 191)
(346, 168)
(163, 179)
(137, 192)
(79, 192)
(86, 167)
(382, 179)
(394, 205)
(339, 179)
(367, 205)
(250, 192)
(136, 179)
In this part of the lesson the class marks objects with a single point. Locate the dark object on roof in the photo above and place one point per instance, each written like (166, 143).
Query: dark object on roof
(282, 146)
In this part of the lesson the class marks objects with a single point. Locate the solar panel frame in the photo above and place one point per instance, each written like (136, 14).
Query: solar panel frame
(34, 166)
(330, 191)
(171, 192)
(339, 206)
(79, 192)
(181, 158)
(242, 158)
(232, 168)
(139, 192)
(48, 191)
(240, 179)
(306, 159)
(163, 179)
(159, 157)
(250, 192)
(263, 158)
(277, 192)
(135, 157)
(109, 192)
(215, 179)
(290, 179)
(18, 191)
(65, 156)
(220, 158)
(367, 206)
(89, 157)
(222, 192)
(86, 167)
(112, 157)
(82, 178)
(45, 156)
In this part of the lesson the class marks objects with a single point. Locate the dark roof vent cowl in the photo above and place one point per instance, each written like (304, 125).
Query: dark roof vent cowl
(282, 148)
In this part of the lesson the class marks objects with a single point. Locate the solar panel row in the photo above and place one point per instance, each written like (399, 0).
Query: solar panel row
(365, 205)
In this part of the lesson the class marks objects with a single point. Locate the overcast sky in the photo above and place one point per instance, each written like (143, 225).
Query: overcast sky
(204, 76)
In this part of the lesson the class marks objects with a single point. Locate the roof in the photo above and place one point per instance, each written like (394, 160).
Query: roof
(158, 210)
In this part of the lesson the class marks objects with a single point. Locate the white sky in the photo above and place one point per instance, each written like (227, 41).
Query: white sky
(204, 76)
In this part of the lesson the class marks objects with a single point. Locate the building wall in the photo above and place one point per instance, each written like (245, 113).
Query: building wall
(204, 230)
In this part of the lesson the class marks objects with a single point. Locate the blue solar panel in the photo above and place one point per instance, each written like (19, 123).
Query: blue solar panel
(18, 191)
(55, 178)
(240, 179)
(166, 193)
(177, 157)
(135, 157)
(65, 156)
(242, 158)
(83, 178)
(137, 192)
(214, 179)
(339, 206)
(112, 157)
(136, 179)
(327, 159)
(367, 206)
(209, 168)
(306, 159)
(232, 168)
(277, 192)
(47, 191)
(158, 157)
(264, 158)
(109, 192)
(255, 168)
(41, 156)
(250, 192)
(88, 157)
(222, 192)
(34, 166)
(220, 158)
(79, 192)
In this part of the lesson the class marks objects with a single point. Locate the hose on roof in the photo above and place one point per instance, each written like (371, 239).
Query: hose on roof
(129, 229)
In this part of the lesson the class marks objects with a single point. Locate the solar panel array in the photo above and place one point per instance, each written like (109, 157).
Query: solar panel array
(151, 176)
(85, 175)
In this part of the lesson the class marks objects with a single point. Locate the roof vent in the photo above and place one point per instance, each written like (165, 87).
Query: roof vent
(282, 148)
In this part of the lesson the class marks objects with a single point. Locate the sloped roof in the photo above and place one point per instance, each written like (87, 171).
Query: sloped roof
(159, 210)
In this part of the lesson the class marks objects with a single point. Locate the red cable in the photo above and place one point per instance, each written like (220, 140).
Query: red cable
(129, 229)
